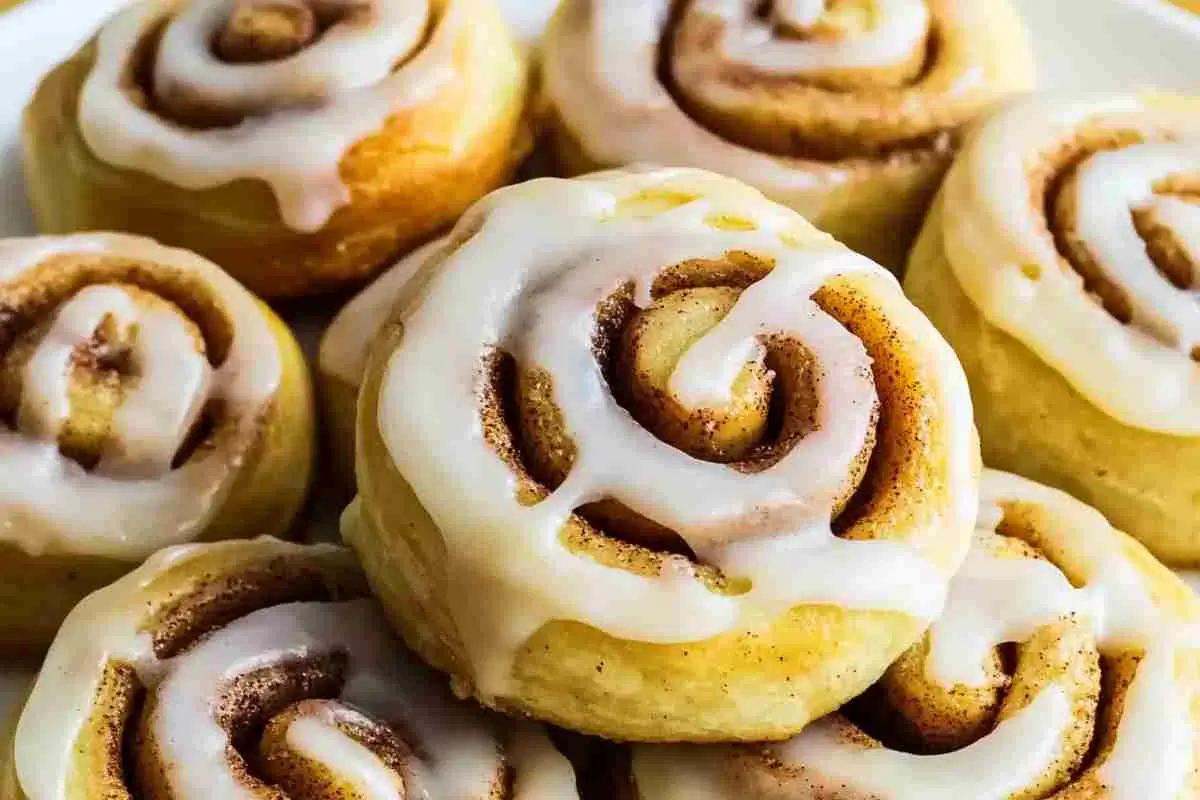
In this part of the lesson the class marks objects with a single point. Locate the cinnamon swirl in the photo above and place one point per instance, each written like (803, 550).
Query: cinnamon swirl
(846, 110)
(1099, 695)
(650, 457)
(1060, 262)
(301, 144)
(146, 399)
(257, 669)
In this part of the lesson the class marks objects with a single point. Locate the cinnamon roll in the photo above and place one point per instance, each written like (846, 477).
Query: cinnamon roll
(342, 359)
(257, 669)
(146, 399)
(1067, 665)
(301, 144)
(1060, 262)
(650, 457)
(847, 111)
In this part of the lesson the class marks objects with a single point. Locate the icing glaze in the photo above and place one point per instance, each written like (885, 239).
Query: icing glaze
(322, 741)
(301, 114)
(898, 29)
(133, 503)
(994, 600)
(1007, 262)
(601, 73)
(152, 421)
(540, 772)
(531, 295)
(456, 750)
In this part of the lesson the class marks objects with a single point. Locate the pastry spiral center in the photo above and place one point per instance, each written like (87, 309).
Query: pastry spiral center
(119, 378)
(274, 55)
(1129, 221)
(884, 38)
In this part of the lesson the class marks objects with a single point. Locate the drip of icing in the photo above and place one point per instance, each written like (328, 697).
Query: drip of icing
(995, 767)
(296, 151)
(322, 741)
(898, 29)
(152, 420)
(993, 251)
(539, 771)
(348, 339)
(496, 291)
(1110, 185)
(49, 504)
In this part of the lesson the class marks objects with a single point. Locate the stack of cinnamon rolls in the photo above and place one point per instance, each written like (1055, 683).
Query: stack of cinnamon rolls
(665, 477)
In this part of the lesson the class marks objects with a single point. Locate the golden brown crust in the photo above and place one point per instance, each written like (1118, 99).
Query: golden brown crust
(405, 182)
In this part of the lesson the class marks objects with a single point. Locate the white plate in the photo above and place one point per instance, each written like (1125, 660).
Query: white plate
(1080, 44)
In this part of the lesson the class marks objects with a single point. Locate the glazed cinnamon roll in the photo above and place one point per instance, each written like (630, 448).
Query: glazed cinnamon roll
(1067, 665)
(146, 399)
(1060, 261)
(652, 458)
(257, 669)
(300, 144)
(848, 111)
(343, 355)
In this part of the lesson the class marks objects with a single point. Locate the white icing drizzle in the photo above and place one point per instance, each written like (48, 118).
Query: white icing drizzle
(992, 601)
(1111, 185)
(152, 421)
(800, 14)
(303, 112)
(540, 772)
(536, 297)
(459, 755)
(996, 237)
(378, 679)
(995, 767)
(322, 741)
(601, 73)
(133, 504)
(898, 29)
(347, 341)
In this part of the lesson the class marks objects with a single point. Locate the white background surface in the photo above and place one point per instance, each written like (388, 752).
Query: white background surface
(1080, 45)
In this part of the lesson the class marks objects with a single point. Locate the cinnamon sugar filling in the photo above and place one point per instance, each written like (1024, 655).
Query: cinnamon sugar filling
(693, 32)
(127, 756)
(1055, 194)
(522, 423)
(103, 368)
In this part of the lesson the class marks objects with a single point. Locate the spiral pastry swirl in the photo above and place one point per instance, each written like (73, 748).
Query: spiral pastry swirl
(146, 399)
(257, 670)
(301, 143)
(845, 110)
(604, 452)
(1095, 697)
(1061, 263)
